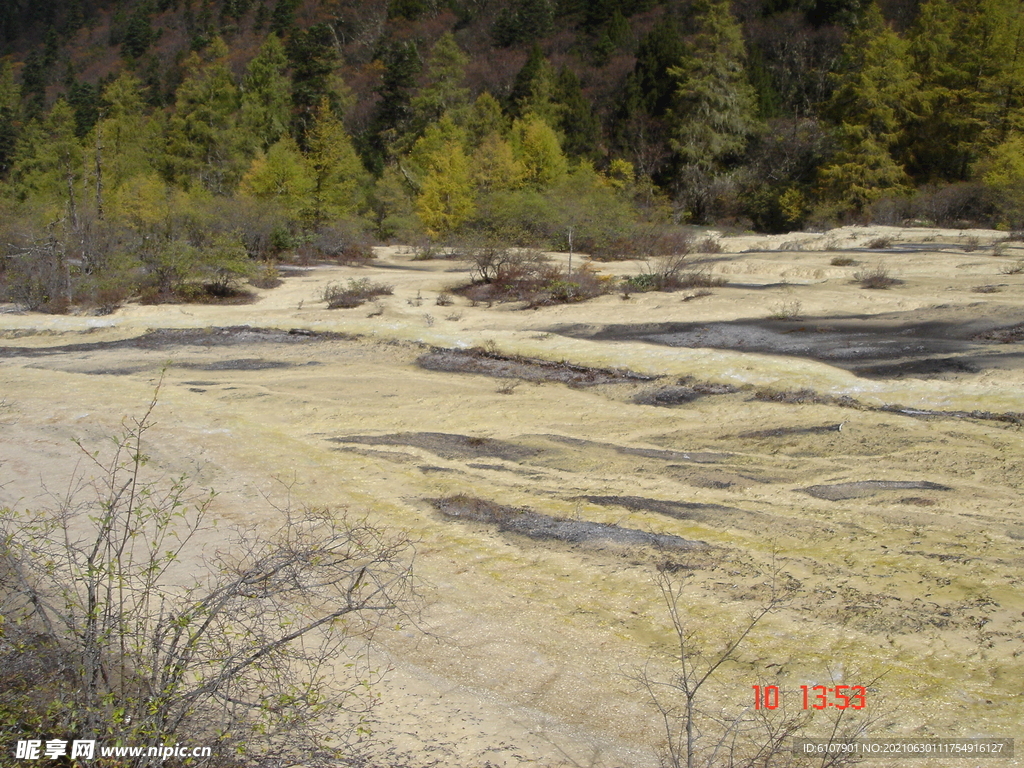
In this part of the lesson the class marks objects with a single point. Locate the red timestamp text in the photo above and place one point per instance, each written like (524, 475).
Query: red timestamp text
(814, 696)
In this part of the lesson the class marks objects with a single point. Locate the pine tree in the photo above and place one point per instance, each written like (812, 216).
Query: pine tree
(338, 177)
(10, 110)
(713, 107)
(444, 91)
(533, 89)
(266, 96)
(577, 122)
(391, 119)
(283, 176)
(485, 118)
(313, 59)
(873, 103)
(202, 143)
(968, 56)
(537, 147)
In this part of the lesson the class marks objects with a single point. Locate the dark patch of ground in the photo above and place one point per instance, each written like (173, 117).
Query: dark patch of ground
(1010, 335)
(862, 488)
(445, 445)
(919, 369)
(165, 338)
(488, 363)
(697, 457)
(680, 510)
(535, 525)
(783, 431)
(243, 364)
(686, 390)
(922, 343)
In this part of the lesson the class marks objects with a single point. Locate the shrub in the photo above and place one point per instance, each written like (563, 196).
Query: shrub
(877, 278)
(708, 245)
(108, 636)
(880, 243)
(786, 310)
(268, 276)
(343, 242)
(842, 261)
(354, 294)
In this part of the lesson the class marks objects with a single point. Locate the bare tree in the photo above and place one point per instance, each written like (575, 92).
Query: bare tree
(699, 730)
(244, 660)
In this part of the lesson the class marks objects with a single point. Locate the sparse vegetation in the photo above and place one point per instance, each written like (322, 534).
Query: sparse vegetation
(876, 279)
(880, 243)
(1015, 268)
(108, 633)
(354, 294)
(971, 243)
(786, 310)
(842, 261)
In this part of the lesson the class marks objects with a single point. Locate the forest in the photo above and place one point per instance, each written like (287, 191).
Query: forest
(170, 149)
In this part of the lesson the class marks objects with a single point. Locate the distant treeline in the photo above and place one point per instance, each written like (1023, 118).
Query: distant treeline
(170, 140)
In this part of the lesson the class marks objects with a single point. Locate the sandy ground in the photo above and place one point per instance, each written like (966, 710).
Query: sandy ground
(889, 491)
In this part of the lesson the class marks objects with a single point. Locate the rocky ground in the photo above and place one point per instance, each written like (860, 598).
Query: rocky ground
(864, 446)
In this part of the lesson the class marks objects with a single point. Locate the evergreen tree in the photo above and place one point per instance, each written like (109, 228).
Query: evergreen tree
(485, 118)
(391, 119)
(714, 106)
(534, 88)
(313, 58)
(964, 52)
(873, 103)
(138, 35)
(10, 111)
(577, 122)
(537, 147)
(338, 177)
(659, 52)
(266, 96)
(283, 176)
(202, 143)
(523, 21)
(444, 91)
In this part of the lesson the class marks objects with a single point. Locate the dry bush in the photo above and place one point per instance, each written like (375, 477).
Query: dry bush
(880, 243)
(646, 242)
(1013, 269)
(842, 261)
(344, 243)
(708, 244)
(877, 278)
(971, 243)
(115, 638)
(786, 310)
(268, 276)
(354, 294)
(517, 274)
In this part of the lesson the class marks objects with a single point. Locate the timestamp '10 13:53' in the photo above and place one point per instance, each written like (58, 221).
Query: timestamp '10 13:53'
(814, 696)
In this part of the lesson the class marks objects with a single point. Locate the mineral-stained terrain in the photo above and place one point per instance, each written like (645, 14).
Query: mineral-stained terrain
(858, 451)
